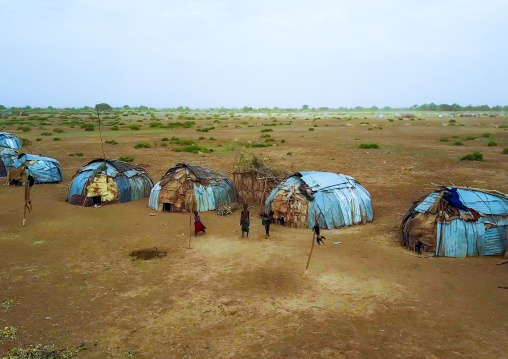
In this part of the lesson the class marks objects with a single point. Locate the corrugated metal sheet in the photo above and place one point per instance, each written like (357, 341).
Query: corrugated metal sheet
(42, 169)
(133, 182)
(153, 202)
(339, 199)
(9, 156)
(425, 205)
(9, 140)
(460, 238)
(495, 241)
(483, 202)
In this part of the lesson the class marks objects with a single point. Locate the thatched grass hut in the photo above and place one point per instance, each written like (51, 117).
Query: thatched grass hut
(188, 188)
(457, 222)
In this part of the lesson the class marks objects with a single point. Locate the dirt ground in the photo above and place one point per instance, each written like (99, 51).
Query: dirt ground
(70, 279)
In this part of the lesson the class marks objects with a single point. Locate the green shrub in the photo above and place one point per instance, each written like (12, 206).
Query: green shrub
(78, 154)
(201, 137)
(211, 138)
(443, 139)
(25, 128)
(89, 127)
(505, 150)
(115, 128)
(269, 139)
(266, 135)
(164, 139)
(452, 121)
(126, 158)
(46, 134)
(289, 153)
(311, 129)
(487, 134)
(458, 143)
(187, 124)
(134, 127)
(38, 139)
(111, 142)
(259, 145)
(282, 140)
(192, 148)
(491, 143)
(180, 142)
(58, 130)
(470, 138)
(475, 156)
(266, 130)
(164, 144)
(57, 139)
(205, 129)
(142, 145)
(368, 145)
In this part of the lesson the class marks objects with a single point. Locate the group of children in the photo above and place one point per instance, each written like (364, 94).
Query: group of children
(267, 221)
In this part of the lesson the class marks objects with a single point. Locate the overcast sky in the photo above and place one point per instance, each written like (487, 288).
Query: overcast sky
(262, 53)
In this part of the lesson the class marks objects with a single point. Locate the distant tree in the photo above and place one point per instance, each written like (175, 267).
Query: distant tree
(247, 109)
(374, 108)
(179, 108)
(483, 108)
(305, 107)
(2, 107)
(126, 107)
(144, 108)
(104, 107)
(496, 108)
(387, 108)
(445, 107)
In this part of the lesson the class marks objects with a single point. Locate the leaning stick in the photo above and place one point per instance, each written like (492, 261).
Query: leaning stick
(310, 254)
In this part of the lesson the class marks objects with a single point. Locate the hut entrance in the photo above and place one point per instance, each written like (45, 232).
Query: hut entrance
(166, 207)
(96, 199)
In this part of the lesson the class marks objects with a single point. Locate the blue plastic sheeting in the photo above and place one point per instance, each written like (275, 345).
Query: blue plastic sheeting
(132, 184)
(9, 156)
(153, 202)
(460, 238)
(339, 199)
(483, 202)
(428, 202)
(42, 169)
(9, 140)
(495, 240)
(209, 197)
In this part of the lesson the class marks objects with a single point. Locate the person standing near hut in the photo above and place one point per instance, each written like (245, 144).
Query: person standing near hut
(245, 220)
(267, 221)
(317, 232)
(198, 226)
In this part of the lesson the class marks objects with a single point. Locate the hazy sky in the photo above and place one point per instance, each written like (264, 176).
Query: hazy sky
(262, 53)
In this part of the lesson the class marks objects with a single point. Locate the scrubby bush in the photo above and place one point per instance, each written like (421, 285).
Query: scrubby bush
(491, 143)
(458, 143)
(164, 139)
(487, 134)
(266, 135)
(201, 137)
(134, 127)
(77, 154)
(126, 158)
(192, 148)
(142, 145)
(475, 156)
(205, 129)
(266, 130)
(58, 130)
(211, 138)
(38, 139)
(259, 145)
(115, 128)
(89, 127)
(368, 145)
(111, 142)
(505, 151)
(46, 134)
(282, 140)
(25, 128)
(443, 139)
(470, 138)
(57, 139)
(311, 129)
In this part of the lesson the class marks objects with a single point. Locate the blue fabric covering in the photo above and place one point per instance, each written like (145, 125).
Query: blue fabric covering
(9, 140)
(339, 199)
(454, 200)
(42, 169)
(133, 183)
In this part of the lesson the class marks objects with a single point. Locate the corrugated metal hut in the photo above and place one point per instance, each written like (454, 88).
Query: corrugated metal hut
(339, 200)
(9, 140)
(8, 156)
(105, 181)
(458, 222)
(186, 188)
(42, 169)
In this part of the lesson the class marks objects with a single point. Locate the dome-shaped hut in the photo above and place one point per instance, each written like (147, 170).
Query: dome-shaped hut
(338, 200)
(42, 169)
(9, 140)
(8, 156)
(457, 222)
(186, 188)
(105, 181)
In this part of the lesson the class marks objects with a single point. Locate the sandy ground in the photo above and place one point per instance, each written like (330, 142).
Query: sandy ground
(72, 280)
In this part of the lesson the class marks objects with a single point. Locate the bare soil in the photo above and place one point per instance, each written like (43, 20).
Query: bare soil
(72, 281)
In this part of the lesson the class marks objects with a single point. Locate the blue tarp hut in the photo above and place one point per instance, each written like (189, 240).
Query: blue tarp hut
(187, 188)
(42, 169)
(8, 156)
(9, 140)
(473, 224)
(105, 181)
(337, 199)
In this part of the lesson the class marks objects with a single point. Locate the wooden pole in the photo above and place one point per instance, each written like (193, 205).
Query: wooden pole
(190, 228)
(28, 203)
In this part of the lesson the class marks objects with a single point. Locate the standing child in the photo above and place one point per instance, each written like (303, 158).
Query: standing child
(198, 226)
(317, 231)
(245, 220)
(266, 222)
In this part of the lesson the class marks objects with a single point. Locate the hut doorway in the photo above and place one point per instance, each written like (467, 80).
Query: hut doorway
(166, 207)
(96, 200)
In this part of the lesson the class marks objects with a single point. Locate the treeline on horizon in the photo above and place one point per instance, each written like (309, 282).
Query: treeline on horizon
(425, 107)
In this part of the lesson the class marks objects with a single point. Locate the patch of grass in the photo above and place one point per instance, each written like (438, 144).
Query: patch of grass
(134, 127)
(186, 124)
(142, 145)
(289, 153)
(266, 135)
(282, 141)
(269, 139)
(259, 145)
(180, 142)
(311, 129)
(77, 154)
(475, 156)
(131, 354)
(25, 128)
(46, 134)
(193, 149)
(211, 138)
(368, 145)
(38, 139)
(111, 142)
(41, 351)
(470, 138)
(458, 143)
(126, 159)
(164, 139)
(201, 138)
(115, 128)
(487, 134)
(8, 333)
(266, 130)
(491, 143)
(8, 304)
(443, 139)
(58, 130)
(505, 151)
(88, 127)
(205, 129)
(57, 139)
